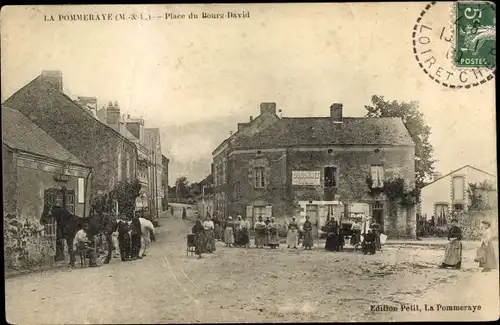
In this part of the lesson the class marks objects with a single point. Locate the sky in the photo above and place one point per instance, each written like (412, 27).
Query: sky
(196, 79)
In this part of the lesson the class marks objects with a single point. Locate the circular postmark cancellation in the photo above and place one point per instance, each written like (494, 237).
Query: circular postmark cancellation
(454, 43)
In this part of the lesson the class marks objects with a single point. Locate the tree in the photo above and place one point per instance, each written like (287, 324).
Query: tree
(477, 193)
(182, 188)
(418, 129)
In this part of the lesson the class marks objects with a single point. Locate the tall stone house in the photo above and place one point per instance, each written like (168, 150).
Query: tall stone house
(284, 166)
(150, 167)
(111, 156)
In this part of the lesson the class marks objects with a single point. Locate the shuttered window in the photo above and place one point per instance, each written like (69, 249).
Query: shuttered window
(81, 190)
(377, 174)
(70, 205)
(260, 177)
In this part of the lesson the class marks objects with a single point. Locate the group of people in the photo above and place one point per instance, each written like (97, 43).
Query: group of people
(236, 233)
(486, 256)
(127, 239)
(336, 234)
(204, 237)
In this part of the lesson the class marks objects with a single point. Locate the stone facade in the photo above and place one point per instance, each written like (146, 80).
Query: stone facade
(237, 191)
(111, 156)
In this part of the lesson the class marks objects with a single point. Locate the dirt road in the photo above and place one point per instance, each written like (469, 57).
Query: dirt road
(253, 285)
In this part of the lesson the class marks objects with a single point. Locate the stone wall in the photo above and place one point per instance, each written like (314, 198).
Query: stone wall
(9, 180)
(353, 168)
(96, 144)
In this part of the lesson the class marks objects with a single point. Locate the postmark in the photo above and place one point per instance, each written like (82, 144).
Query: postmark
(475, 34)
(434, 48)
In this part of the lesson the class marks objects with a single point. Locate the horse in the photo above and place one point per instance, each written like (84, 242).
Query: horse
(69, 224)
(147, 233)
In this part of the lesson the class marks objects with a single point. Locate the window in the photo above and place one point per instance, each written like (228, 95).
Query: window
(70, 204)
(458, 188)
(119, 166)
(330, 176)
(81, 190)
(259, 212)
(458, 207)
(377, 174)
(224, 165)
(127, 166)
(260, 177)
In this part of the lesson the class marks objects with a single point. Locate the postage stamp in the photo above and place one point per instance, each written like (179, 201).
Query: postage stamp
(475, 34)
(453, 50)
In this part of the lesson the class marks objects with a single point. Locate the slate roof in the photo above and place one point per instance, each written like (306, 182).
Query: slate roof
(18, 132)
(314, 131)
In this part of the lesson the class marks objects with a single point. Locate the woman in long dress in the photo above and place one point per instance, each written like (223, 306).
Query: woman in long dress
(260, 232)
(229, 233)
(453, 250)
(293, 234)
(210, 235)
(487, 243)
(274, 239)
(266, 232)
(244, 232)
(236, 231)
(199, 240)
(331, 243)
(307, 241)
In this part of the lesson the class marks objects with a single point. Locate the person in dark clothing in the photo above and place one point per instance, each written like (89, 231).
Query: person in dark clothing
(368, 244)
(184, 214)
(376, 229)
(199, 241)
(135, 238)
(453, 250)
(331, 229)
(124, 241)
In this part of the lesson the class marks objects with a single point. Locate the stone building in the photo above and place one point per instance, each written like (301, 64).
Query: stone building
(36, 168)
(111, 155)
(274, 166)
(149, 164)
(164, 181)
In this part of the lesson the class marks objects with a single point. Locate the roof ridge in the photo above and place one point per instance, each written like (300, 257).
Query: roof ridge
(66, 97)
(73, 157)
(456, 170)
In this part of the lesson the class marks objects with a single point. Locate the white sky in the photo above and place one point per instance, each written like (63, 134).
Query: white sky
(197, 79)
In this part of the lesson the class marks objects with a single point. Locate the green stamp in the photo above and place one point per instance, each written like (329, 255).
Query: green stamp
(475, 35)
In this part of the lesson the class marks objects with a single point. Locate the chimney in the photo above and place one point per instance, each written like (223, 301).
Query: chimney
(53, 78)
(251, 118)
(268, 108)
(113, 114)
(336, 112)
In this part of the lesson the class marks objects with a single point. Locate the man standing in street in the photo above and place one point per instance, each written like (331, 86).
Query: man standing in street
(136, 237)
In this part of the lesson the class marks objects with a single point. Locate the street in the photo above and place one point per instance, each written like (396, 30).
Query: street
(253, 285)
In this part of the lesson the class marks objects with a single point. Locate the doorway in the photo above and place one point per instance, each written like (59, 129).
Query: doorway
(378, 214)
